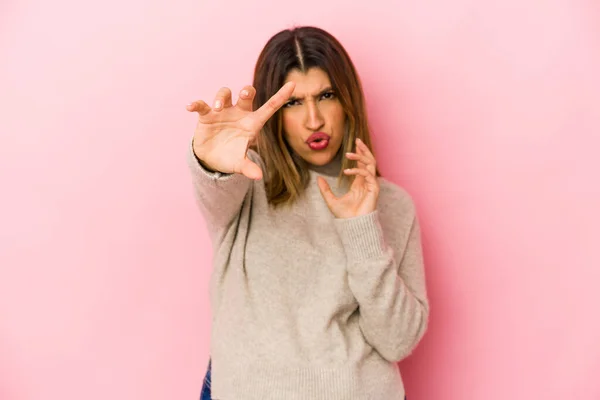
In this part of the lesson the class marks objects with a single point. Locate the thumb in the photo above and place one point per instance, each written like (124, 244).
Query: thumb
(251, 170)
(326, 192)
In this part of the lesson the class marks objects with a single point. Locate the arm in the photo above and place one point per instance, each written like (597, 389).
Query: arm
(223, 134)
(219, 196)
(388, 283)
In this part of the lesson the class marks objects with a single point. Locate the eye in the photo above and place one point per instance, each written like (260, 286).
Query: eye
(329, 95)
(290, 103)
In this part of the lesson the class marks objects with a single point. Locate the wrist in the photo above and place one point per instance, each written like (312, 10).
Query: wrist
(198, 157)
(348, 214)
(204, 165)
(362, 236)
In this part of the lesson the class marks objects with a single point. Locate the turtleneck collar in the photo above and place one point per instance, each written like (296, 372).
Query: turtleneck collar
(332, 168)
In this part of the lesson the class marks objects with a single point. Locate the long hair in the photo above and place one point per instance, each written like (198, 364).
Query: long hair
(303, 48)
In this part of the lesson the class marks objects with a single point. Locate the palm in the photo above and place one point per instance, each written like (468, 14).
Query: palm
(224, 133)
(224, 138)
(359, 200)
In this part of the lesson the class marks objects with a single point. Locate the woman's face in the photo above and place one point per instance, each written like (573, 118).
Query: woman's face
(313, 119)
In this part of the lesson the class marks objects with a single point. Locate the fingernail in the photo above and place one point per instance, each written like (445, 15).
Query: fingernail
(218, 104)
(245, 93)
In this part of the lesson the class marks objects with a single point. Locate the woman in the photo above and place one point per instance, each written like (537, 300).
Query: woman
(318, 287)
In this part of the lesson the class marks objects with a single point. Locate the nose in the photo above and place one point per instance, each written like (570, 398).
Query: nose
(314, 118)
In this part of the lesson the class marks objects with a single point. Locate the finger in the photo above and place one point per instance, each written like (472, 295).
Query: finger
(246, 98)
(358, 178)
(326, 192)
(362, 172)
(363, 161)
(251, 170)
(365, 150)
(199, 106)
(361, 158)
(276, 101)
(222, 99)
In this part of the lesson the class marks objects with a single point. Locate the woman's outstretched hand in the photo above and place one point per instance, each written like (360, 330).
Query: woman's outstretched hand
(361, 199)
(225, 131)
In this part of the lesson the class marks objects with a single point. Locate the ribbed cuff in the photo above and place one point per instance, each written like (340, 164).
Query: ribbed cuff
(362, 236)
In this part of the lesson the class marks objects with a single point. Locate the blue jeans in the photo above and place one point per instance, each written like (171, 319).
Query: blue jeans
(205, 394)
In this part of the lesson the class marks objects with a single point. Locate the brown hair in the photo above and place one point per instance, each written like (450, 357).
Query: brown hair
(303, 48)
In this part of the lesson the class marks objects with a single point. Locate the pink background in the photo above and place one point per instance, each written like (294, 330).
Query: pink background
(488, 112)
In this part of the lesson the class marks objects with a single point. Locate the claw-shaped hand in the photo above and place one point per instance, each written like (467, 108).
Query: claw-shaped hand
(361, 199)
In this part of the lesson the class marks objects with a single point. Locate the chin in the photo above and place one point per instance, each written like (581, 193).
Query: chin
(320, 159)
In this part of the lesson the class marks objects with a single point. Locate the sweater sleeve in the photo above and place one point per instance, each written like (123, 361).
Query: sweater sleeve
(219, 196)
(388, 283)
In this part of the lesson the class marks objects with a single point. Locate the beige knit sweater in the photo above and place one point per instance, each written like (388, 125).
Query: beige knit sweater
(306, 306)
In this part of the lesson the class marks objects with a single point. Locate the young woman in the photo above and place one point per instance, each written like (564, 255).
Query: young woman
(318, 287)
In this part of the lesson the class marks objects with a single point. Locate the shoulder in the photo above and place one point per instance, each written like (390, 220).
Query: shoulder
(395, 201)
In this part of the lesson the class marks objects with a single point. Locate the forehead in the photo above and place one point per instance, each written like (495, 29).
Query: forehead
(309, 83)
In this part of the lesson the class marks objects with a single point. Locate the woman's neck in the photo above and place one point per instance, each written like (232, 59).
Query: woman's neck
(332, 168)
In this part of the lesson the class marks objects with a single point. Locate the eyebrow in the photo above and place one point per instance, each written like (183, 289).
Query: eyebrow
(321, 93)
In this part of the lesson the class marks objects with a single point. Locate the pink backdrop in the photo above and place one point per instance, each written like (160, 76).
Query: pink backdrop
(488, 112)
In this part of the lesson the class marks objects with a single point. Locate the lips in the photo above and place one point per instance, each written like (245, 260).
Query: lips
(318, 141)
